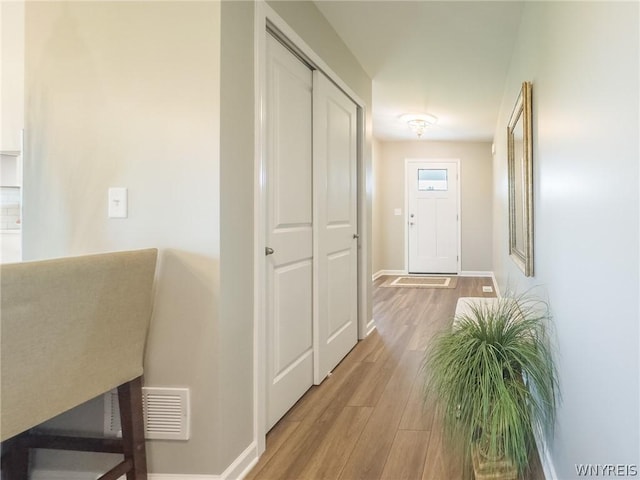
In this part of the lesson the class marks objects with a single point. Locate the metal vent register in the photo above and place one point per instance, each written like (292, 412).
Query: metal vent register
(166, 413)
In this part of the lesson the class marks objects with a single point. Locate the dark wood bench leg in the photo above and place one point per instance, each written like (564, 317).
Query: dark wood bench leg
(15, 459)
(130, 401)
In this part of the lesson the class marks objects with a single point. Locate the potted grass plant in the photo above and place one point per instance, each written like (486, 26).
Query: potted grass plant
(495, 384)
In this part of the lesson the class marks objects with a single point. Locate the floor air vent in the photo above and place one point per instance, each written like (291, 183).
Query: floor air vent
(166, 413)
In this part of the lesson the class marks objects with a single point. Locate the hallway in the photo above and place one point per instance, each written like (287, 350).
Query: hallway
(367, 420)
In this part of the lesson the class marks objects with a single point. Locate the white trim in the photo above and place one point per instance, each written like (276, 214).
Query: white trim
(545, 459)
(476, 273)
(406, 206)
(464, 273)
(173, 476)
(495, 285)
(371, 326)
(259, 210)
(380, 273)
(264, 14)
(242, 465)
(364, 240)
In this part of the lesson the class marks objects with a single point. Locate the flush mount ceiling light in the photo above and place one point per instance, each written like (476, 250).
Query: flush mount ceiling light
(419, 122)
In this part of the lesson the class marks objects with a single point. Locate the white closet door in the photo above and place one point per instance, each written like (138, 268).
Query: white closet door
(335, 194)
(289, 282)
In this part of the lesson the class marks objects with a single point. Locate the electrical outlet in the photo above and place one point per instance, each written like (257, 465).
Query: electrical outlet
(487, 289)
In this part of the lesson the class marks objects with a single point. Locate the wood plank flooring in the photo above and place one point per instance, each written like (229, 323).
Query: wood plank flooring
(367, 420)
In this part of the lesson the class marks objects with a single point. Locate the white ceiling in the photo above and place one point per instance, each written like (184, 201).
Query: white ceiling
(446, 58)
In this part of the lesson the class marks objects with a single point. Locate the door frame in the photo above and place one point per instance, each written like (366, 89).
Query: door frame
(267, 19)
(406, 207)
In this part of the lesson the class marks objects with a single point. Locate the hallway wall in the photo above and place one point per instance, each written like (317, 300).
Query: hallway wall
(159, 97)
(583, 60)
(126, 94)
(475, 197)
(377, 237)
(11, 74)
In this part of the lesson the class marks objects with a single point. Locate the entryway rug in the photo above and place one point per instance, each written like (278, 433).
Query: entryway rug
(420, 282)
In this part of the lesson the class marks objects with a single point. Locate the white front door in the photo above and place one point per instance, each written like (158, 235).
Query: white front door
(335, 194)
(289, 230)
(432, 210)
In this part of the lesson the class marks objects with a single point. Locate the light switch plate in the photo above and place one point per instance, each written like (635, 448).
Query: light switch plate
(397, 212)
(117, 202)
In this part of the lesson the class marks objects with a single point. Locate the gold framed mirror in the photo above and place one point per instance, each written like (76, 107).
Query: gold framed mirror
(520, 172)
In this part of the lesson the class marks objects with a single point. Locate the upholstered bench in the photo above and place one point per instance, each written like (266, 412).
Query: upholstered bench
(466, 305)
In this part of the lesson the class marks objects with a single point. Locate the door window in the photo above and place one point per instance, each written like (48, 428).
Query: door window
(432, 179)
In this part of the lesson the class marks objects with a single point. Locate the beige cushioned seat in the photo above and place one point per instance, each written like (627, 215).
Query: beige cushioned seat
(71, 329)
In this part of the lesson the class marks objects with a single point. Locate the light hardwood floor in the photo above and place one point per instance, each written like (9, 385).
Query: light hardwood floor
(368, 420)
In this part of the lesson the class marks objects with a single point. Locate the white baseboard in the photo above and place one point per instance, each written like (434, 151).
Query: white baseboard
(495, 285)
(475, 273)
(545, 459)
(547, 467)
(380, 273)
(371, 326)
(168, 476)
(242, 465)
(463, 273)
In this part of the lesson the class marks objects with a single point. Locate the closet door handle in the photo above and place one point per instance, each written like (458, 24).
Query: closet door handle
(355, 235)
(269, 251)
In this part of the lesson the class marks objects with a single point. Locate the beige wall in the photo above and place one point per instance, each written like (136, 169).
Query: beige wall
(11, 74)
(158, 97)
(586, 159)
(376, 221)
(235, 348)
(127, 94)
(475, 197)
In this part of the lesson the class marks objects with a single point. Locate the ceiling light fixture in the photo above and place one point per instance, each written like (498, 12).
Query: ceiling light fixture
(419, 122)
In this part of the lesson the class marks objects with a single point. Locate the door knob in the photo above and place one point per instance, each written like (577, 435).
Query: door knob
(355, 235)
(269, 251)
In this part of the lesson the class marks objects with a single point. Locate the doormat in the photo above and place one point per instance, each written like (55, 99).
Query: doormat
(421, 282)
